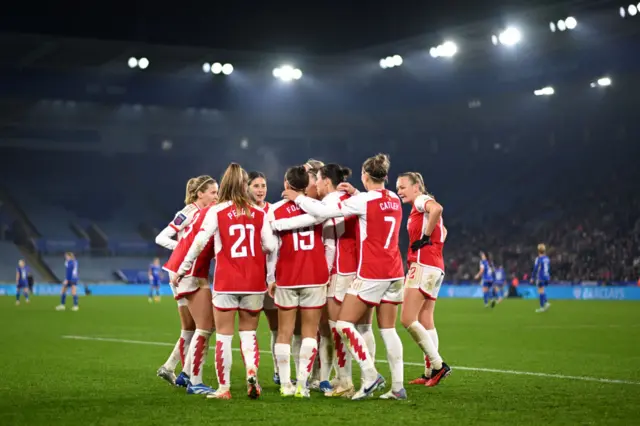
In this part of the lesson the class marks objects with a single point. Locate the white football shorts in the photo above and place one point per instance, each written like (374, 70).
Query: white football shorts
(376, 292)
(186, 286)
(301, 297)
(234, 302)
(427, 279)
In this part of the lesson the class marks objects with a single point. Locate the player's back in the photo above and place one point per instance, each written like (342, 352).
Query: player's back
(71, 270)
(240, 261)
(380, 257)
(431, 254)
(346, 261)
(301, 259)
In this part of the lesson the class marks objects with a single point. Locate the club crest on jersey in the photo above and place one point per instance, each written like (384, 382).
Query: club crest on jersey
(179, 220)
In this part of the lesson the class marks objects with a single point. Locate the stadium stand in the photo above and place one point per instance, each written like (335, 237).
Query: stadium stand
(94, 269)
(9, 256)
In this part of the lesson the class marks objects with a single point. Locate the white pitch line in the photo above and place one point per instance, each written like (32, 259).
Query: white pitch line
(485, 370)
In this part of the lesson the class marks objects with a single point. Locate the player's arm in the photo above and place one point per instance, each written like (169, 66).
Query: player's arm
(302, 221)
(329, 239)
(166, 238)
(479, 274)
(426, 204)
(268, 238)
(355, 205)
(209, 227)
(17, 277)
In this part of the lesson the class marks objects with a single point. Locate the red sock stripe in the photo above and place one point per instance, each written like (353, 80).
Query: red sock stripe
(198, 353)
(427, 362)
(353, 341)
(312, 359)
(220, 363)
(256, 350)
(340, 353)
(181, 349)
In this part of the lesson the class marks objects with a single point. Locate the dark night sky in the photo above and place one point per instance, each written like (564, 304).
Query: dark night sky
(325, 26)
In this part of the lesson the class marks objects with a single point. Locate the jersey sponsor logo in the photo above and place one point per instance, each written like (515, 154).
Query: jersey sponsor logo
(179, 220)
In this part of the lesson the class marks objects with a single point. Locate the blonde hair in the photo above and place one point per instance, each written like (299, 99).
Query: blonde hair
(377, 167)
(70, 255)
(541, 248)
(234, 188)
(415, 178)
(314, 165)
(195, 185)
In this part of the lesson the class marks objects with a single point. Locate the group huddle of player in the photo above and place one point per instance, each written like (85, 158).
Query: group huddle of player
(317, 263)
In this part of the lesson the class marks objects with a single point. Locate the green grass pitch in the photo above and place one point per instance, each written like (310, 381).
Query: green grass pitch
(579, 364)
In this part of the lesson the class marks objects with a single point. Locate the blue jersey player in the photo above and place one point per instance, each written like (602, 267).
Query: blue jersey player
(485, 274)
(155, 271)
(541, 275)
(498, 282)
(22, 281)
(70, 281)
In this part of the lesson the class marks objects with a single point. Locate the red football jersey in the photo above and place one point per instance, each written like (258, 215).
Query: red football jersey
(379, 216)
(301, 258)
(202, 263)
(427, 255)
(346, 232)
(239, 242)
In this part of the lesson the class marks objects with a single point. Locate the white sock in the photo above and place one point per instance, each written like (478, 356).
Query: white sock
(178, 352)
(282, 352)
(434, 338)
(358, 348)
(366, 330)
(308, 353)
(274, 335)
(325, 354)
(250, 352)
(224, 359)
(394, 355)
(198, 350)
(422, 338)
(342, 357)
(295, 350)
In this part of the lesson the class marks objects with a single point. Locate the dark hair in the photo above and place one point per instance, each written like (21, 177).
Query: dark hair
(377, 167)
(255, 175)
(297, 178)
(335, 173)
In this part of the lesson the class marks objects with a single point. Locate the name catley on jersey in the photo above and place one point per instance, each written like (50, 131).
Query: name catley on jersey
(301, 252)
(240, 242)
(379, 216)
(201, 264)
(427, 255)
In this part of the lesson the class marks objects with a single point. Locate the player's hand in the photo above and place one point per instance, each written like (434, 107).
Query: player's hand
(176, 279)
(272, 289)
(346, 187)
(65, 282)
(290, 194)
(424, 241)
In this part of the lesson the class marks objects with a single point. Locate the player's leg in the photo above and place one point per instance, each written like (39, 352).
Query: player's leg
(199, 303)
(361, 296)
(310, 318)
(542, 295)
(249, 316)
(225, 307)
(179, 352)
(365, 328)
(296, 342)
(287, 312)
(387, 315)
(325, 351)
(74, 294)
(150, 298)
(271, 312)
(18, 291)
(343, 362)
(26, 291)
(63, 298)
(156, 287)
